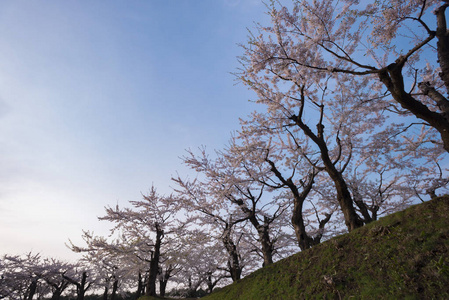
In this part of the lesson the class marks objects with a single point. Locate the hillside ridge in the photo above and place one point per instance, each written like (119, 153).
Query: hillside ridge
(402, 255)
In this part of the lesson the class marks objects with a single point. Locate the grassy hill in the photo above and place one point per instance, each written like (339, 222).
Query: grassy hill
(402, 256)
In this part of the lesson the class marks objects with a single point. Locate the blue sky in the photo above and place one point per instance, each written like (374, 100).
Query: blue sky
(99, 99)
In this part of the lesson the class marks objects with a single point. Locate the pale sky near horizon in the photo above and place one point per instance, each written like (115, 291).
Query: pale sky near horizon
(99, 99)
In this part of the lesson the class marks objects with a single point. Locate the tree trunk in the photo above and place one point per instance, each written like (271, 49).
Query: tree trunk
(193, 288)
(267, 245)
(209, 282)
(114, 289)
(358, 200)
(154, 264)
(82, 287)
(233, 261)
(297, 219)
(263, 231)
(32, 289)
(105, 294)
(140, 285)
(163, 280)
(162, 287)
(344, 198)
(191, 292)
(298, 225)
(443, 44)
(56, 294)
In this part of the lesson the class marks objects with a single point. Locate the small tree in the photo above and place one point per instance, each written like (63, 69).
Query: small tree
(21, 276)
(220, 221)
(144, 229)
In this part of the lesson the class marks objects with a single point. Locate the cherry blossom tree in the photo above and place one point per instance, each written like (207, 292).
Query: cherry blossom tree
(287, 111)
(397, 48)
(308, 71)
(144, 228)
(226, 179)
(202, 260)
(21, 276)
(117, 269)
(18, 276)
(279, 166)
(53, 270)
(83, 278)
(220, 220)
(30, 275)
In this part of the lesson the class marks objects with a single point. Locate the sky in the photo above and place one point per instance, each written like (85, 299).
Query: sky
(99, 99)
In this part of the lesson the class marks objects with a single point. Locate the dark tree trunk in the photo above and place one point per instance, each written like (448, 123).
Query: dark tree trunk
(114, 289)
(163, 280)
(267, 245)
(358, 200)
(140, 285)
(344, 197)
(82, 287)
(262, 230)
(304, 240)
(105, 294)
(442, 35)
(154, 264)
(193, 289)
(191, 292)
(234, 261)
(57, 288)
(210, 283)
(56, 295)
(162, 287)
(32, 289)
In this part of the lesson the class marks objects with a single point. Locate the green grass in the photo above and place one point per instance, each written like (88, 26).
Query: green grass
(401, 256)
(159, 298)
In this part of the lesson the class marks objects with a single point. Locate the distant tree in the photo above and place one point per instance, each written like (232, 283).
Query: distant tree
(21, 276)
(83, 277)
(226, 179)
(144, 228)
(202, 260)
(32, 276)
(115, 269)
(219, 219)
(53, 270)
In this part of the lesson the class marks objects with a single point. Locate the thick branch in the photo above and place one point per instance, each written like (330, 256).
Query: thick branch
(443, 44)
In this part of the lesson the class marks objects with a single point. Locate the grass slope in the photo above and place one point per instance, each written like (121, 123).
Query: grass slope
(402, 256)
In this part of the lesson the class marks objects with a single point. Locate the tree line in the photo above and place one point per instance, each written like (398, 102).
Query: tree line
(353, 124)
